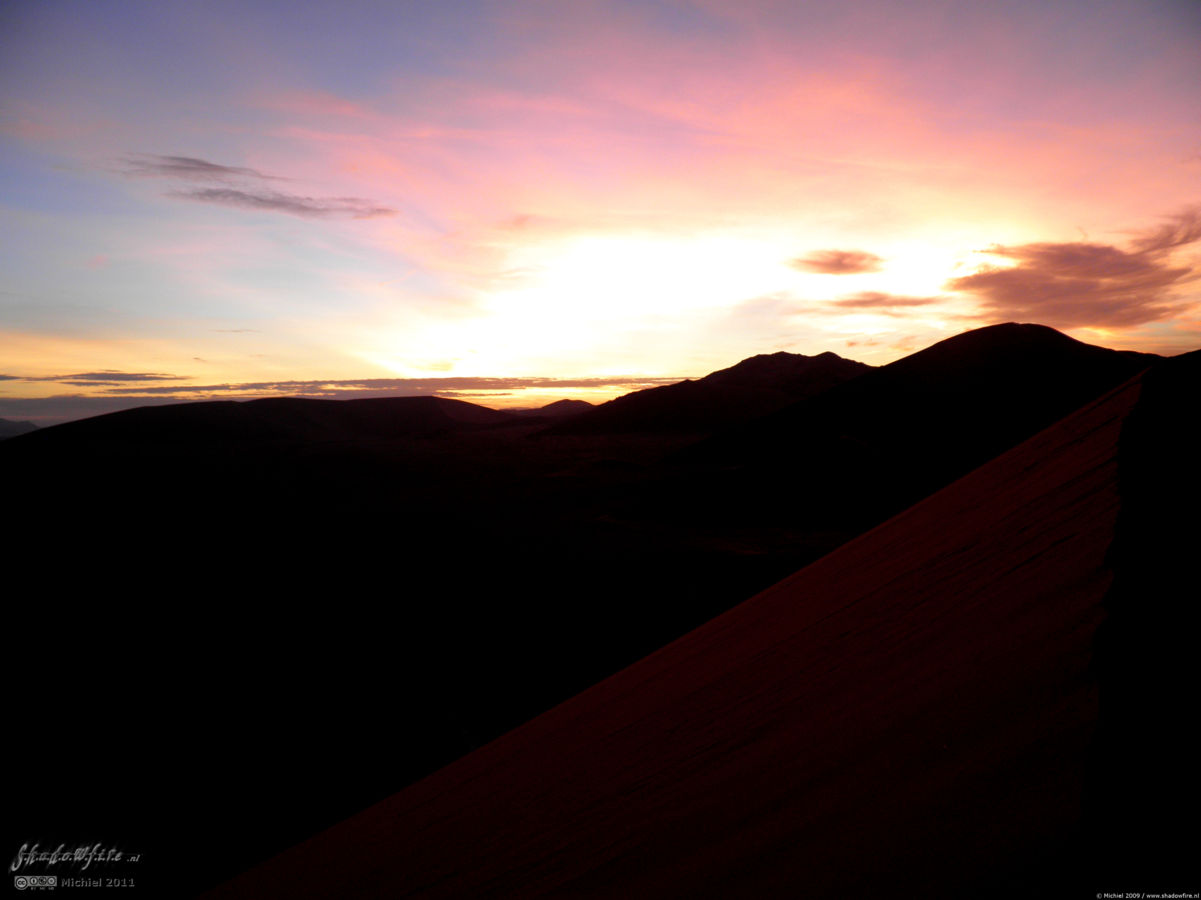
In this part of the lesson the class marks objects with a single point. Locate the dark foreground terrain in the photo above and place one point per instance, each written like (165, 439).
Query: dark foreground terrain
(253, 620)
(913, 715)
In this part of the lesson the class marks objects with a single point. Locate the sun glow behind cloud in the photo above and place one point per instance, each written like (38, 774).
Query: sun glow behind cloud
(578, 300)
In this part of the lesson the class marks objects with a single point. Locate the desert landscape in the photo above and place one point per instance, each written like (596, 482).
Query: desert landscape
(339, 598)
(614, 448)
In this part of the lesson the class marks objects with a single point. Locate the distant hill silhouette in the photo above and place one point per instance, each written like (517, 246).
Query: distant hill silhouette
(909, 716)
(558, 409)
(9, 428)
(281, 418)
(753, 387)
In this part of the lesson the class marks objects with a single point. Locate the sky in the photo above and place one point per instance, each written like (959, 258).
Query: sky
(516, 202)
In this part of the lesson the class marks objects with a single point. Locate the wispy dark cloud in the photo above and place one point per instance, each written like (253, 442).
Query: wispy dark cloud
(1089, 284)
(838, 262)
(86, 378)
(241, 188)
(1178, 230)
(882, 303)
(187, 167)
(292, 204)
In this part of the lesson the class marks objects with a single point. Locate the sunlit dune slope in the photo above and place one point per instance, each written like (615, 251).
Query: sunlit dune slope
(908, 716)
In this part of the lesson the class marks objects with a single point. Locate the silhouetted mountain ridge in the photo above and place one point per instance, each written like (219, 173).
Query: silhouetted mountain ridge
(1018, 345)
(899, 432)
(753, 387)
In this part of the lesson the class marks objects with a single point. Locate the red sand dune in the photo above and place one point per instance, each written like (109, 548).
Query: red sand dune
(908, 716)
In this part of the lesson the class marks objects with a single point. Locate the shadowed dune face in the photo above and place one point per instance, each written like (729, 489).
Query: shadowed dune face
(908, 715)
(1145, 785)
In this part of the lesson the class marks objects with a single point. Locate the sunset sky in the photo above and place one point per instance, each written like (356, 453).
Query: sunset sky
(514, 202)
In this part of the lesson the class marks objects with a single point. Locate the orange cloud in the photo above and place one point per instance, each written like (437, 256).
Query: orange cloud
(883, 303)
(838, 262)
